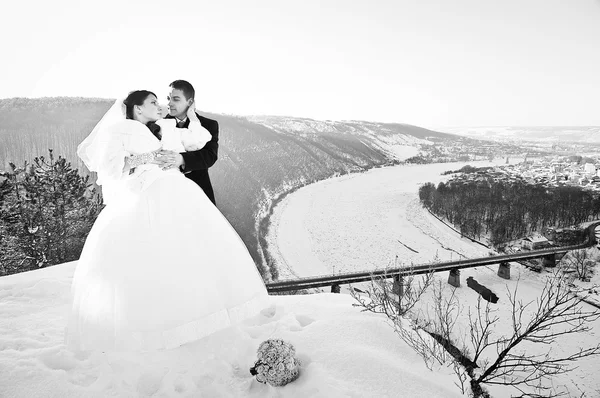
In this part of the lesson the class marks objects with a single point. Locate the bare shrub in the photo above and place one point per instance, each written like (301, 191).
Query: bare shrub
(483, 356)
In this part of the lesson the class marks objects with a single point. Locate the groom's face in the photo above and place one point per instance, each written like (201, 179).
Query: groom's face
(178, 104)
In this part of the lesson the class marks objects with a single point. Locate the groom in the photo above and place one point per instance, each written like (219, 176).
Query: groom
(193, 164)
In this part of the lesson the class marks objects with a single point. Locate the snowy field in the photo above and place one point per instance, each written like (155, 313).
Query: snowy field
(361, 222)
(344, 353)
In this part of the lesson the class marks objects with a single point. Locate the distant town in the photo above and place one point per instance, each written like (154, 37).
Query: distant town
(549, 171)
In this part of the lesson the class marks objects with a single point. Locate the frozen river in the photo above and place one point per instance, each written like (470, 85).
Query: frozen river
(363, 221)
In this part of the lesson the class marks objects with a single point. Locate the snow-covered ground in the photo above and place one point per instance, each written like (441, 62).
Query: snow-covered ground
(349, 223)
(344, 353)
(361, 222)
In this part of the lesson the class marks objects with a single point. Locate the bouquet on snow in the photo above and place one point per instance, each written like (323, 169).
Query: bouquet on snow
(276, 364)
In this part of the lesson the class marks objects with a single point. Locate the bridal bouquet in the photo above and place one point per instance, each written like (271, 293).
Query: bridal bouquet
(276, 364)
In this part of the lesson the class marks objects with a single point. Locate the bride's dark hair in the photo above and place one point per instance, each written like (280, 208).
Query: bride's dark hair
(134, 98)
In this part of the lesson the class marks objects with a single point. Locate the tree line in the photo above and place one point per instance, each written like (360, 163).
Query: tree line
(507, 210)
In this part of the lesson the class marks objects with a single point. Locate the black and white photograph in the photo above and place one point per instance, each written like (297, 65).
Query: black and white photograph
(300, 199)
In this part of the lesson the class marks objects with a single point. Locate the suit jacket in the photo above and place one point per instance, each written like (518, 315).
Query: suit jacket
(198, 162)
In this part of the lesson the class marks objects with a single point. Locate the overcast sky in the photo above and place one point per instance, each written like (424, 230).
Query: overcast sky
(426, 62)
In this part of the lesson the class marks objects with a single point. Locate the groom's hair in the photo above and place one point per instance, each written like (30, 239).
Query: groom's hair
(185, 86)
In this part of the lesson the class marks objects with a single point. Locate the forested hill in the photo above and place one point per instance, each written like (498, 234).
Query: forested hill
(260, 157)
(29, 126)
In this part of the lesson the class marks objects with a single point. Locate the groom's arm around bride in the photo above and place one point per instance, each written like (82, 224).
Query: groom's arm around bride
(196, 163)
(204, 158)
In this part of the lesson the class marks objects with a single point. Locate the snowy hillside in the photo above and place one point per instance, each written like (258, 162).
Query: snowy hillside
(398, 141)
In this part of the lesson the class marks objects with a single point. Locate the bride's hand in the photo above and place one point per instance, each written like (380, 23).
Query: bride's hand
(155, 159)
(169, 159)
(191, 112)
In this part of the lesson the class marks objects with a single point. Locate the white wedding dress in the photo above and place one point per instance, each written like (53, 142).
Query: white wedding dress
(161, 266)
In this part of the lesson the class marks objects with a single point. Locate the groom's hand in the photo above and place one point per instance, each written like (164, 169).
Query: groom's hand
(169, 159)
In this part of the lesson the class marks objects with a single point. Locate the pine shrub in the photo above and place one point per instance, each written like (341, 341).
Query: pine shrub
(46, 211)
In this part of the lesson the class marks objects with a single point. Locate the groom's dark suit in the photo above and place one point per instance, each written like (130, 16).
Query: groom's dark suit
(198, 162)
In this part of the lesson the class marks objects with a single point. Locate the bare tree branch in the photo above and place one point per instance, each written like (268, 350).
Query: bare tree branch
(497, 359)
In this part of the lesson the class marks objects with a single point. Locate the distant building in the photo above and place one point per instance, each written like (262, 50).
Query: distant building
(557, 167)
(584, 181)
(589, 168)
(534, 242)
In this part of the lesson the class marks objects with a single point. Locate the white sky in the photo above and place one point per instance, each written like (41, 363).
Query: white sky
(425, 62)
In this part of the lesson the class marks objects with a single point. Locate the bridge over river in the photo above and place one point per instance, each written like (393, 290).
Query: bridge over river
(548, 257)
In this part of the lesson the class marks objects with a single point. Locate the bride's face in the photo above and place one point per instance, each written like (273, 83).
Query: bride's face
(149, 110)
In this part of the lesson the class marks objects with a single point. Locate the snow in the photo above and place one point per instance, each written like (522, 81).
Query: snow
(590, 290)
(344, 353)
(403, 152)
(349, 223)
(396, 144)
(362, 222)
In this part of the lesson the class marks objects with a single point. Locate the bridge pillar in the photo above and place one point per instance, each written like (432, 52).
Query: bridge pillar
(398, 287)
(454, 277)
(335, 288)
(549, 261)
(504, 270)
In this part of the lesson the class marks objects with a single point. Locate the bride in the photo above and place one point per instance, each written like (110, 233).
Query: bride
(161, 266)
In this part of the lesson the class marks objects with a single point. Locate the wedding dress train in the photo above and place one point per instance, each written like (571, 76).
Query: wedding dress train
(161, 266)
